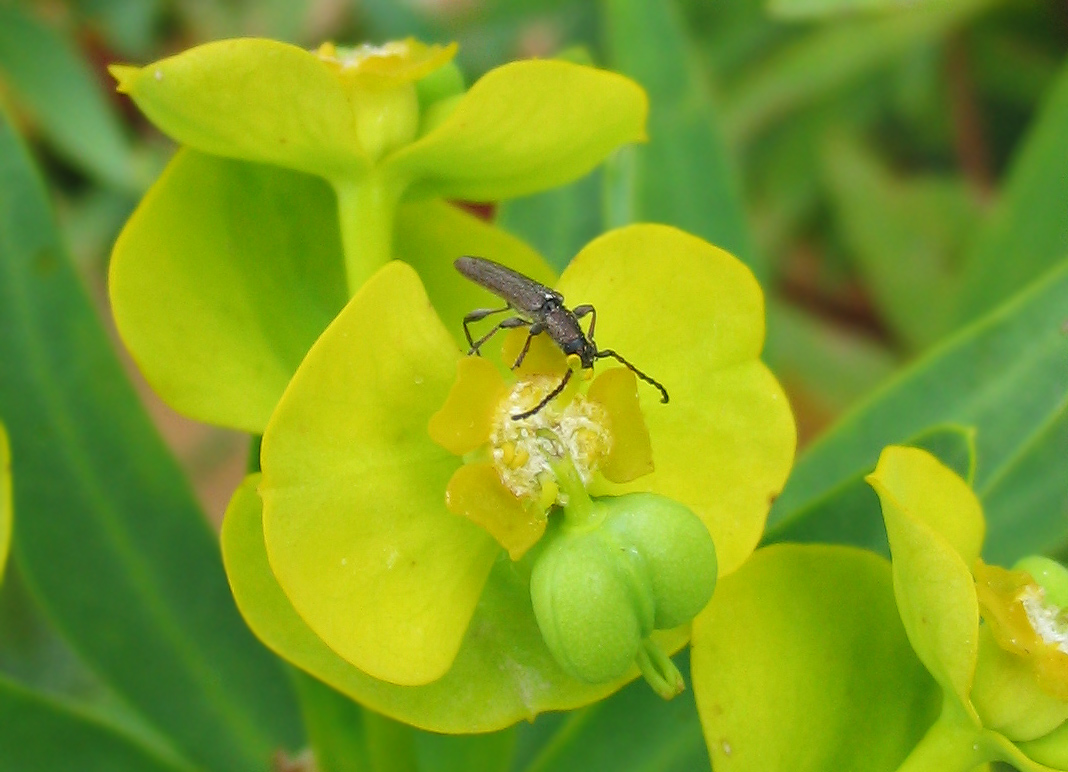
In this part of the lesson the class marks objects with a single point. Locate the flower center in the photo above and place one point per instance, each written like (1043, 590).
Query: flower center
(1047, 620)
(352, 57)
(525, 450)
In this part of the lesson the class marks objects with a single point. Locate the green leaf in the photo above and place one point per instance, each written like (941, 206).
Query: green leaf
(850, 514)
(109, 536)
(524, 127)
(5, 500)
(52, 80)
(684, 176)
(819, 9)
(39, 733)
(831, 366)
(800, 664)
(1026, 236)
(1033, 484)
(1004, 376)
(490, 752)
(346, 737)
(904, 235)
(334, 723)
(832, 57)
(632, 731)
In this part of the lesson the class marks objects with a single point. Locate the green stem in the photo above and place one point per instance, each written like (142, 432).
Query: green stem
(335, 725)
(658, 670)
(367, 208)
(579, 512)
(390, 744)
(952, 744)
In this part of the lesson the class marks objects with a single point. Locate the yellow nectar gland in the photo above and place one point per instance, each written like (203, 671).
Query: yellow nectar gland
(354, 56)
(1047, 620)
(525, 450)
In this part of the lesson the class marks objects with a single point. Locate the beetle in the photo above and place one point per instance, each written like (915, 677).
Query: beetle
(539, 309)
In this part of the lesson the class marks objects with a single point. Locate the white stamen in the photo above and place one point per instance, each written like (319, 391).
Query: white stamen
(1046, 619)
(523, 458)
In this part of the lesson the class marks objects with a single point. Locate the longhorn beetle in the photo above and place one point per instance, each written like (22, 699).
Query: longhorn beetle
(539, 309)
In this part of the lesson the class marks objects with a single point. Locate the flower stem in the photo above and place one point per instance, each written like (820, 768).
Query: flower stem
(367, 209)
(658, 670)
(952, 744)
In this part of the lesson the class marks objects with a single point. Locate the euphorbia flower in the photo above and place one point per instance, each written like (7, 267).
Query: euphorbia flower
(916, 665)
(304, 172)
(362, 575)
(994, 641)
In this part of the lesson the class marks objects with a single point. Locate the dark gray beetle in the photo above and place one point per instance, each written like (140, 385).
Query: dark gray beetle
(539, 309)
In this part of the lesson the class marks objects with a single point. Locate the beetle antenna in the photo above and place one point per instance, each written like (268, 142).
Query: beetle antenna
(607, 352)
(547, 400)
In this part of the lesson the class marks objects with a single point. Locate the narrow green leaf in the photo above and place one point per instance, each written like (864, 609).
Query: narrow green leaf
(5, 500)
(684, 175)
(1032, 484)
(33, 655)
(490, 752)
(335, 725)
(832, 57)
(816, 9)
(129, 28)
(1005, 377)
(850, 514)
(109, 536)
(830, 365)
(1026, 236)
(54, 83)
(39, 733)
(905, 237)
(345, 736)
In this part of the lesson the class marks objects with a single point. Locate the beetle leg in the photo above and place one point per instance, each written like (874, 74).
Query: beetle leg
(583, 310)
(535, 329)
(477, 315)
(548, 398)
(609, 353)
(507, 324)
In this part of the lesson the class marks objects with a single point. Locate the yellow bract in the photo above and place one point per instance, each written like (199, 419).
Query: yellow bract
(510, 484)
(396, 61)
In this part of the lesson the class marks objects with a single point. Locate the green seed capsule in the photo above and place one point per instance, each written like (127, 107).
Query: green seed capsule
(641, 563)
(676, 549)
(583, 602)
(1050, 576)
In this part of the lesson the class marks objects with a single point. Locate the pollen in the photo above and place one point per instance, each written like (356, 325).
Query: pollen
(524, 450)
(1047, 620)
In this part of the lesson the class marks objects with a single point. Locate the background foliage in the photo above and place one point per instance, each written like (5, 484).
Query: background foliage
(896, 177)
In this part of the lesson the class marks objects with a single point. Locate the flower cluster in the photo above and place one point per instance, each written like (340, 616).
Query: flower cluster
(408, 541)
